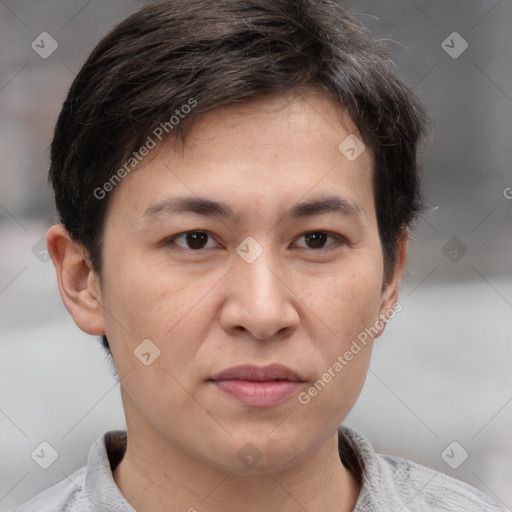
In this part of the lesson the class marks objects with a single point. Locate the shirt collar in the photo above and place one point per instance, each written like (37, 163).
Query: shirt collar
(99, 484)
(100, 488)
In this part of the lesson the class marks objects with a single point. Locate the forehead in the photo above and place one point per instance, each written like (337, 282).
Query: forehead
(280, 128)
(275, 150)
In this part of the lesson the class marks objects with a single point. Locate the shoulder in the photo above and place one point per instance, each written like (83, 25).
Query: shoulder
(90, 488)
(424, 489)
(63, 496)
(394, 483)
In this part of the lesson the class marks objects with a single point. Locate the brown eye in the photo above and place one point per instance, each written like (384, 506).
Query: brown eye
(195, 240)
(318, 240)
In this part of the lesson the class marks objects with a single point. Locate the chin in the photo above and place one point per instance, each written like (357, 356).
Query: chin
(255, 452)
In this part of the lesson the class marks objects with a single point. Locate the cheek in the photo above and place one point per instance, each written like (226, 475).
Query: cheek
(348, 299)
(146, 301)
(167, 310)
(348, 304)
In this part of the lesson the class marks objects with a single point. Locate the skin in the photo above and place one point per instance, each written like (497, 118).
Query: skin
(208, 309)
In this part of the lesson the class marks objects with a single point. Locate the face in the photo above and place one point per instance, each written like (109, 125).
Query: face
(251, 261)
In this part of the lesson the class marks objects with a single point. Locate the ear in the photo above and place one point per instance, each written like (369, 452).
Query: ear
(390, 292)
(79, 284)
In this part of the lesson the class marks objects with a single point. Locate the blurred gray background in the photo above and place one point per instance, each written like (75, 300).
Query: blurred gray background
(442, 371)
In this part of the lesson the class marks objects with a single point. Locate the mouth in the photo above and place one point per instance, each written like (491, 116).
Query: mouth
(257, 386)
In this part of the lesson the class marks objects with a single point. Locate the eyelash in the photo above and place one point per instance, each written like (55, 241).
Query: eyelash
(338, 239)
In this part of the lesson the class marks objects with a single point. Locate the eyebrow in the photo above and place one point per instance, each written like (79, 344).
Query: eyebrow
(209, 208)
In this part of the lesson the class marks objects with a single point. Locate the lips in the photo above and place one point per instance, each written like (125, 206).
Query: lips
(257, 386)
(253, 373)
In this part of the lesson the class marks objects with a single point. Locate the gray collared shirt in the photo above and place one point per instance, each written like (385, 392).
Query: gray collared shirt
(389, 484)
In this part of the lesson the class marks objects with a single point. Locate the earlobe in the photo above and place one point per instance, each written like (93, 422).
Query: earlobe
(390, 292)
(78, 282)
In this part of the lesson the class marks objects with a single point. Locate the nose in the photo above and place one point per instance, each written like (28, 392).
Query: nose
(260, 301)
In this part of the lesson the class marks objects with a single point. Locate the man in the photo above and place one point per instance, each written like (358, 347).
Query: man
(235, 181)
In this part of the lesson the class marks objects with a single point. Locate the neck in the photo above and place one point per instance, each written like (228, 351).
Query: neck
(158, 477)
